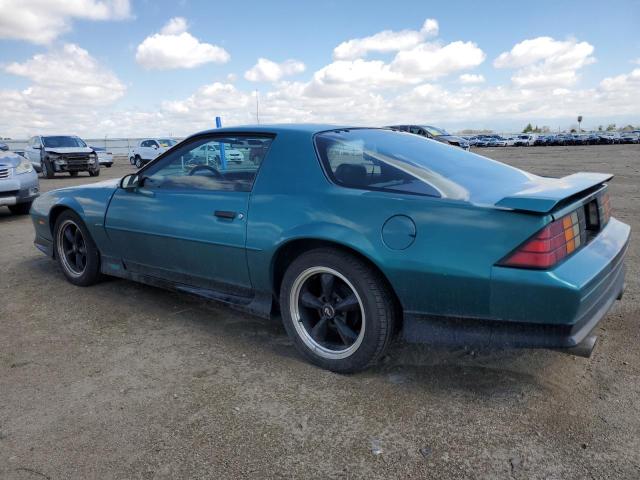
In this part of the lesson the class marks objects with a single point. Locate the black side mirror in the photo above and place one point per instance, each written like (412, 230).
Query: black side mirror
(38, 147)
(129, 182)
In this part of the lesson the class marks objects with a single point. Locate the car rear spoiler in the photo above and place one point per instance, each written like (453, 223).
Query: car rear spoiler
(548, 194)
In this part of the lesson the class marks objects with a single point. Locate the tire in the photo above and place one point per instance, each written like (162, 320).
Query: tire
(138, 162)
(47, 169)
(20, 208)
(94, 173)
(73, 174)
(83, 272)
(359, 299)
(108, 165)
(132, 160)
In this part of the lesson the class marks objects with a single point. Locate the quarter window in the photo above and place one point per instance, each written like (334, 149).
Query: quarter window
(218, 164)
(356, 164)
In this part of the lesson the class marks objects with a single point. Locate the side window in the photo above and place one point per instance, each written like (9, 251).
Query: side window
(417, 131)
(217, 164)
(352, 165)
(145, 143)
(153, 143)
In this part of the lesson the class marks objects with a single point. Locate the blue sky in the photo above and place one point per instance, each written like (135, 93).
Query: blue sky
(578, 57)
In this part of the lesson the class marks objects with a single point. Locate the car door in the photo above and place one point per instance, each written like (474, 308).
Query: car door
(143, 150)
(153, 150)
(33, 153)
(185, 222)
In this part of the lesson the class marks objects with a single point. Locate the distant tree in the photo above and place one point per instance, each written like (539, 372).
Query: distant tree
(611, 127)
(600, 128)
(573, 130)
(628, 128)
(528, 128)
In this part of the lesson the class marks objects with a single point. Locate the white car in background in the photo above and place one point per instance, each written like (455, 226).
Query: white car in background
(524, 140)
(210, 154)
(148, 149)
(104, 158)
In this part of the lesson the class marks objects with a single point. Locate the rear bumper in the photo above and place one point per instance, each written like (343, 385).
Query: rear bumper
(540, 309)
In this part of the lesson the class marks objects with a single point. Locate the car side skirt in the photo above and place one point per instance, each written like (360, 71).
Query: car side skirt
(254, 303)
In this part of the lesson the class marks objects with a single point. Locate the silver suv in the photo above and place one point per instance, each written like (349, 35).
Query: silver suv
(18, 182)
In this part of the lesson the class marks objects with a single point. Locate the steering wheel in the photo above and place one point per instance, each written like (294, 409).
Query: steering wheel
(209, 168)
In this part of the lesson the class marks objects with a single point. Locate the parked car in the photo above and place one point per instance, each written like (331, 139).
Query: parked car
(511, 140)
(215, 155)
(4, 147)
(105, 159)
(524, 141)
(434, 133)
(19, 184)
(629, 137)
(148, 149)
(51, 154)
(353, 234)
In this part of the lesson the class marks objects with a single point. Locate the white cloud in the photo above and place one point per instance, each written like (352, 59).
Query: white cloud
(174, 47)
(268, 71)
(67, 87)
(175, 26)
(545, 62)
(41, 21)
(385, 41)
(470, 78)
(432, 60)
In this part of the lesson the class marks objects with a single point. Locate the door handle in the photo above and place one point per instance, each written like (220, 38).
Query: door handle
(225, 214)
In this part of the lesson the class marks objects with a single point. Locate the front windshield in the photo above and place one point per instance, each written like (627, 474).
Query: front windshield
(166, 142)
(380, 159)
(62, 142)
(436, 132)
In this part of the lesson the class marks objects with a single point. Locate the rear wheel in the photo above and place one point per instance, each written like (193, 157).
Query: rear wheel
(21, 208)
(75, 250)
(338, 311)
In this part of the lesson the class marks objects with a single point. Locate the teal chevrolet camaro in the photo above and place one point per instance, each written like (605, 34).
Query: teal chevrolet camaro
(354, 236)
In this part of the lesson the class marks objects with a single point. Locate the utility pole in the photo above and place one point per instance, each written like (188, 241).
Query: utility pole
(579, 123)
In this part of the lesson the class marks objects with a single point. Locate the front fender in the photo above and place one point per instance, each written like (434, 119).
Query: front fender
(90, 202)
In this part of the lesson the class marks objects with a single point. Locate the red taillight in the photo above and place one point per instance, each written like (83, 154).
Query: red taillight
(551, 244)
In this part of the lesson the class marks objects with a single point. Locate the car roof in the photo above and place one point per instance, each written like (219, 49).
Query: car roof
(310, 128)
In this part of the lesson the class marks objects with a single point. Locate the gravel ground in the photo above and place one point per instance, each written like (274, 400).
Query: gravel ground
(126, 381)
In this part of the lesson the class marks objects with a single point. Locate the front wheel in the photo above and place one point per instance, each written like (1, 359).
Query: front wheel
(75, 250)
(47, 169)
(338, 310)
(138, 162)
(94, 173)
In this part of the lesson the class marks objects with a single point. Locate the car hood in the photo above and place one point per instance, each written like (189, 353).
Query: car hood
(452, 138)
(11, 159)
(62, 150)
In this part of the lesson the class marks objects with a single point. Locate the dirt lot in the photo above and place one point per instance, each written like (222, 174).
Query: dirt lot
(126, 381)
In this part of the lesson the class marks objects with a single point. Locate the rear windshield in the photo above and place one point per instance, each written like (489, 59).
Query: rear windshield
(62, 142)
(377, 159)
